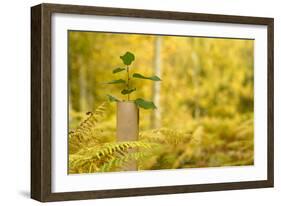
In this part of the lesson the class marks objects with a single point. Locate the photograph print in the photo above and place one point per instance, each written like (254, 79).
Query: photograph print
(153, 102)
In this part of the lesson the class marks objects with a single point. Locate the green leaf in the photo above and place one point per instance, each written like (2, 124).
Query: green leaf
(153, 78)
(112, 98)
(118, 70)
(128, 91)
(128, 58)
(145, 104)
(117, 81)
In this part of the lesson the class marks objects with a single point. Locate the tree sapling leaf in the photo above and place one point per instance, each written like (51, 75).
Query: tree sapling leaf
(128, 91)
(140, 76)
(118, 70)
(128, 58)
(145, 104)
(117, 81)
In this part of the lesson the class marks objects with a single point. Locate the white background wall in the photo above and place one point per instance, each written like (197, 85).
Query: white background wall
(15, 102)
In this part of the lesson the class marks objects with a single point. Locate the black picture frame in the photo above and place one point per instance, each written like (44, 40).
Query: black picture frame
(41, 116)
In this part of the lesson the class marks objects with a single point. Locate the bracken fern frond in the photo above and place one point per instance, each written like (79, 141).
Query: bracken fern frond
(105, 157)
(84, 133)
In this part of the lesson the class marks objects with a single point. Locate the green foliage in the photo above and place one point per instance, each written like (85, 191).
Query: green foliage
(117, 81)
(118, 70)
(153, 78)
(145, 104)
(128, 91)
(128, 58)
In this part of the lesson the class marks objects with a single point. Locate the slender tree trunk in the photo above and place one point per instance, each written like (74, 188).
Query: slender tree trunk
(82, 87)
(156, 114)
(69, 107)
(195, 72)
(89, 92)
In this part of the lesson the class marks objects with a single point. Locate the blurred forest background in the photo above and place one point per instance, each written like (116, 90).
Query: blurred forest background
(205, 101)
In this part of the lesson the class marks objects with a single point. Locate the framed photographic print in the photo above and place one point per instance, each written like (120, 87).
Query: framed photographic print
(130, 102)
